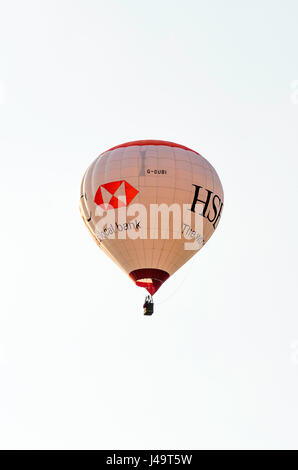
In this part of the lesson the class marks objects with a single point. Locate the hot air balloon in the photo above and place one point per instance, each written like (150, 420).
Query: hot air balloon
(151, 205)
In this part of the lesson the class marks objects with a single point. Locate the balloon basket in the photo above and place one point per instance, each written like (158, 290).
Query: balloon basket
(148, 306)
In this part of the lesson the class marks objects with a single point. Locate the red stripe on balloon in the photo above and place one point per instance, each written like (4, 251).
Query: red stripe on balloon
(150, 142)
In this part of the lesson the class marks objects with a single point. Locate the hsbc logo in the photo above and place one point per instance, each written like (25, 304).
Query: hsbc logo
(143, 221)
(210, 198)
(114, 195)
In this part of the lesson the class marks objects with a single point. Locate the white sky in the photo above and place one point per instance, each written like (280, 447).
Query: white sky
(217, 365)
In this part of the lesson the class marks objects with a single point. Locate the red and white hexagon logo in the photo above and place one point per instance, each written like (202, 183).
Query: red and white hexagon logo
(114, 195)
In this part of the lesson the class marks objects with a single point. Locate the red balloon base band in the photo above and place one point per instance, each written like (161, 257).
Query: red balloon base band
(149, 278)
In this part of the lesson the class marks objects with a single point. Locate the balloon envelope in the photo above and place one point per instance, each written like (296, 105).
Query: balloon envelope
(151, 205)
